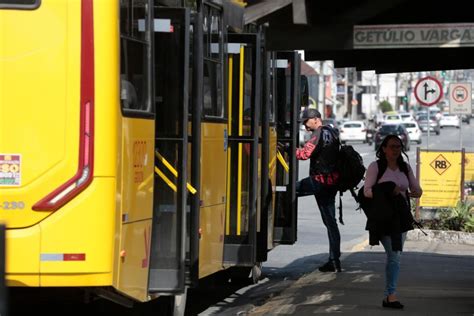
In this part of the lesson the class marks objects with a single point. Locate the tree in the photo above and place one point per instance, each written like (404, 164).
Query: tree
(385, 106)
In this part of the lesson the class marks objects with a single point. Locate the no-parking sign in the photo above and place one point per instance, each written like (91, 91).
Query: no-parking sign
(460, 98)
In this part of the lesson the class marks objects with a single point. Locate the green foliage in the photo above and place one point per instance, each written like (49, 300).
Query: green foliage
(458, 218)
(385, 106)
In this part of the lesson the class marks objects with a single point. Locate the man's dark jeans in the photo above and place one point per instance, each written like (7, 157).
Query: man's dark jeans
(326, 198)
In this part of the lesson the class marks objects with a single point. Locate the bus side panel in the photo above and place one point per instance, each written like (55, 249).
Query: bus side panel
(84, 227)
(134, 259)
(213, 197)
(137, 162)
(22, 251)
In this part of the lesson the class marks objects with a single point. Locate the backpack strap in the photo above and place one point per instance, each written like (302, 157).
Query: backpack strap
(340, 208)
(381, 167)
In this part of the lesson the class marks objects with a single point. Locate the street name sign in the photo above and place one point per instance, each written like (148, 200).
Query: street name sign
(460, 98)
(413, 35)
(428, 91)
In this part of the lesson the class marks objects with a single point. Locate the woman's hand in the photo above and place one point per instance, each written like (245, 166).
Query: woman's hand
(414, 194)
(396, 190)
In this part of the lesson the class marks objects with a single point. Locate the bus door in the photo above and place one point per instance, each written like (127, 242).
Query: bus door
(136, 152)
(244, 77)
(286, 79)
(267, 160)
(171, 71)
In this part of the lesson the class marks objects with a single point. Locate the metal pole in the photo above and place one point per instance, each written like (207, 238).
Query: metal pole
(346, 89)
(397, 104)
(460, 131)
(378, 87)
(354, 95)
(322, 89)
(429, 127)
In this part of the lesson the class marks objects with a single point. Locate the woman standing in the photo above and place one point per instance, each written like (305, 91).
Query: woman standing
(390, 183)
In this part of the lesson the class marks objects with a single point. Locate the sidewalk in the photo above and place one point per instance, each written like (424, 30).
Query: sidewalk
(436, 278)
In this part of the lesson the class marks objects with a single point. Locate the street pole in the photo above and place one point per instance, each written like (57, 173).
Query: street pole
(346, 89)
(354, 95)
(397, 104)
(429, 127)
(322, 89)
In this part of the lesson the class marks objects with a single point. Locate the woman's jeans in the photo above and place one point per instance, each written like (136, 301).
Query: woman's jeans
(325, 197)
(392, 265)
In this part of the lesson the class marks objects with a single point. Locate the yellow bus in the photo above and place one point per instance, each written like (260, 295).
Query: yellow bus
(138, 145)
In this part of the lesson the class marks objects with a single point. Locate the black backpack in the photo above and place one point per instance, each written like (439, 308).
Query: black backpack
(351, 168)
(351, 172)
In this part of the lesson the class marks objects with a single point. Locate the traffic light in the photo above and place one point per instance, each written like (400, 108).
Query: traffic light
(405, 100)
(443, 73)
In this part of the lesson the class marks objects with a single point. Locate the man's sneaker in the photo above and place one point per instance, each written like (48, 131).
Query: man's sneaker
(328, 267)
(331, 266)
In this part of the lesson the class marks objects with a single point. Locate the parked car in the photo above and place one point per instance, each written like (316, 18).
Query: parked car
(431, 124)
(353, 131)
(414, 131)
(449, 120)
(392, 129)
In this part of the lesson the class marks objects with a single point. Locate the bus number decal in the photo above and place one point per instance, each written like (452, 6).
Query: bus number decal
(139, 159)
(12, 205)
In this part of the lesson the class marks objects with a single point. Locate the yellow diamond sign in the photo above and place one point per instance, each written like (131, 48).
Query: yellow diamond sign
(440, 164)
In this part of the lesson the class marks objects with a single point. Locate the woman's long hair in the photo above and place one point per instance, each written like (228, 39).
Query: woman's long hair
(402, 165)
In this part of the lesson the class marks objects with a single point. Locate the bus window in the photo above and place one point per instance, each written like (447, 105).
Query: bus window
(19, 4)
(213, 105)
(135, 61)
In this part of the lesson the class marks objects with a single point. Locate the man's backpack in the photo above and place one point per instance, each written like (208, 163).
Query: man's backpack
(351, 168)
(351, 172)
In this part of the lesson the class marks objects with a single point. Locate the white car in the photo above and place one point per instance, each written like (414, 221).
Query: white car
(407, 117)
(392, 119)
(450, 120)
(353, 131)
(414, 131)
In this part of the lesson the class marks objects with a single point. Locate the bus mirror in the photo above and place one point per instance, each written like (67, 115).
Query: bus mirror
(304, 93)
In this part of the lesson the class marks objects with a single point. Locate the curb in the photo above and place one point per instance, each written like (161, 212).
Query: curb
(446, 236)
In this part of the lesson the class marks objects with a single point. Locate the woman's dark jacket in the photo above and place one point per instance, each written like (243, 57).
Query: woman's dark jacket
(388, 215)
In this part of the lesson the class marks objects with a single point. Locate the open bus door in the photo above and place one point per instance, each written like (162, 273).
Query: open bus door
(244, 77)
(171, 71)
(286, 83)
